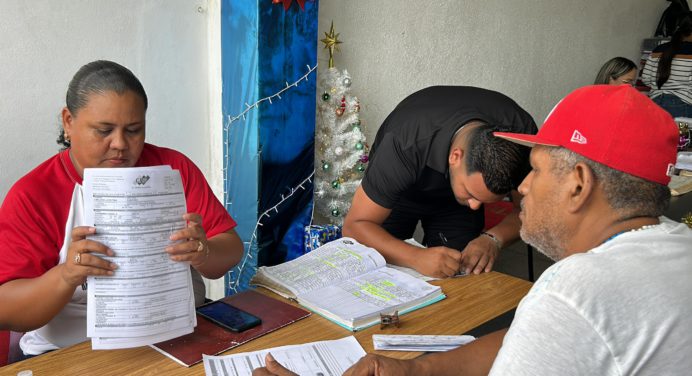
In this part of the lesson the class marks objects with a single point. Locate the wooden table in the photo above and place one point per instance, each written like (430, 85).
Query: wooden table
(471, 301)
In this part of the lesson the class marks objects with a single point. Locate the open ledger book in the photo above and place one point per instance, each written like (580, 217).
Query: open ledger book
(348, 283)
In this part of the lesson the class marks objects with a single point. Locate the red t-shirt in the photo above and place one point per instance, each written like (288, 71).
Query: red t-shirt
(35, 210)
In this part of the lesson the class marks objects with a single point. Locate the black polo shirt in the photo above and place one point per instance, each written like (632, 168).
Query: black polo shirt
(409, 158)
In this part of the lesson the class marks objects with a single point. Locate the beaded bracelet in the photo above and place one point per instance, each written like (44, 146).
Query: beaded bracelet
(494, 238)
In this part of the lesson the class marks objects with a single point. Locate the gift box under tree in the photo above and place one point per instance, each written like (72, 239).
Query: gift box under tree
(318, 235)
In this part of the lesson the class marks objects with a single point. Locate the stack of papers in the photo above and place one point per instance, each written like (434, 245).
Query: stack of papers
(680, 184)
(684, 161)
(150, 298)
(428, 343)
(315, 358)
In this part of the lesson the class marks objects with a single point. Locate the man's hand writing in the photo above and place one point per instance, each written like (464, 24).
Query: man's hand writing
(438, 262)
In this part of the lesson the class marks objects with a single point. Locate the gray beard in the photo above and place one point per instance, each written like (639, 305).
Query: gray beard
(545, 242)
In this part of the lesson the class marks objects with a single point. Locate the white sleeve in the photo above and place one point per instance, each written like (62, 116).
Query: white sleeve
(549, 336)
(649, 72)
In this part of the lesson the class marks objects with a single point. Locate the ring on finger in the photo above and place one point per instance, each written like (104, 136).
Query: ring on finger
(78, 259)
(200, 246)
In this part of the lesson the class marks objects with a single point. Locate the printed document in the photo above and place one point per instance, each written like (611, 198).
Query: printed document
(315, 358)
(428, 343)
(150, 298)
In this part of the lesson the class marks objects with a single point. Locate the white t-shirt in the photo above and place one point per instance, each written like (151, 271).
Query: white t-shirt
(623, 308)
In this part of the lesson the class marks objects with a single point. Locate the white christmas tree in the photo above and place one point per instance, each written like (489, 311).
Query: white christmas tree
(341, 150)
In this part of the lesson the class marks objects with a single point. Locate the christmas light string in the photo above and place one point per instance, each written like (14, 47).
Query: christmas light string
(250, 107)
(233, 285)
(269, 98)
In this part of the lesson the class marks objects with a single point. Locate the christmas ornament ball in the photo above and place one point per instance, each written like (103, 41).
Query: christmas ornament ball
(347, 81)
(325, 97)
(336, 213)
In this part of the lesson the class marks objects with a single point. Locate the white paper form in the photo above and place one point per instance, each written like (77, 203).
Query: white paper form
(150, 297)
(412, 272)
(430, 343)
(328, 358)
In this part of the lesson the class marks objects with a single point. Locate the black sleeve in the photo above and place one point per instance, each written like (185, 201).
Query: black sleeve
(392, 170)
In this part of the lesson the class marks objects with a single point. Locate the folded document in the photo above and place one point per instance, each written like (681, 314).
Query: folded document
(430, 343)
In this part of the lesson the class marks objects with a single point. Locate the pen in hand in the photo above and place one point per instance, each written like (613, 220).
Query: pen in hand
(445, 243)
(443, 238)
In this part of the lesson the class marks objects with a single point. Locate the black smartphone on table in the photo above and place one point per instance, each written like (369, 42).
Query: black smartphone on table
(228, 316)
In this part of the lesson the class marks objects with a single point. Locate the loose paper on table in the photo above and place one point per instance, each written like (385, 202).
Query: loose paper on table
(315, 358)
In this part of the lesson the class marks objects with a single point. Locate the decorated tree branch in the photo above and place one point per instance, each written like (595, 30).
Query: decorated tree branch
(341, 150)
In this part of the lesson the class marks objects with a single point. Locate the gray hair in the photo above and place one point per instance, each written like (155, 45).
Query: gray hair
(628, 195)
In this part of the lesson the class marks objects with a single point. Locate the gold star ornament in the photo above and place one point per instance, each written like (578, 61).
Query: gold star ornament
(331, 42)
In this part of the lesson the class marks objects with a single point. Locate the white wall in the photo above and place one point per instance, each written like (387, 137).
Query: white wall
(164, 42)
(171, 45)
(535, 51)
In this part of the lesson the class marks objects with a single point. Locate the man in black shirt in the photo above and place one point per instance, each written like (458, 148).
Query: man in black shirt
(435, 160)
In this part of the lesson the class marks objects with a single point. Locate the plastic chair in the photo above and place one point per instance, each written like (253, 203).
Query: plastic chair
(4, 347)
(10, 351)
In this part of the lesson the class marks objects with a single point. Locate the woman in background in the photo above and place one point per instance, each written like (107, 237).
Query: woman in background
(668, 71)
(44, 258)
(617, 71)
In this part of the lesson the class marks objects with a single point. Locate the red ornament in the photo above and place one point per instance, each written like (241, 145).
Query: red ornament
(287, 3)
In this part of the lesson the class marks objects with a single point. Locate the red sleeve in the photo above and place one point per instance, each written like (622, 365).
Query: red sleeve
(201, 199)
(29, 247)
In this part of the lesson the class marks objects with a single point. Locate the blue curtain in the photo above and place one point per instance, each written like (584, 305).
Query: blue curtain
(268, 147)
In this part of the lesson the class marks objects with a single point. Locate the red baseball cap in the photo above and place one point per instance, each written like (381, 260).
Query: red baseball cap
(614, 125)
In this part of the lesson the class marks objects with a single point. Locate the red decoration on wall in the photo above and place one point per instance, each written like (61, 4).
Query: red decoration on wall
(287, 3)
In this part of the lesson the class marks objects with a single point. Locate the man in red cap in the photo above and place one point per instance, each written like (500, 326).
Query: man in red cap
(617, 301)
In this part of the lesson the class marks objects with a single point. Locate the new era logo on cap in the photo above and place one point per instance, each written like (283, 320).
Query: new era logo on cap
(626, 130)
(578, 138)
